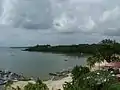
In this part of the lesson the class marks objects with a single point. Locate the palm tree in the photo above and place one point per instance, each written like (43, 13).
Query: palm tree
(38, 86)
(79, 71)
(108, 49)
(91, 61)
(18, 88)
(97, 58)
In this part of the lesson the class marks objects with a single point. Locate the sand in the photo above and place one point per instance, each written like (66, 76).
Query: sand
(21, 84)
(52, 85)
(55, 85)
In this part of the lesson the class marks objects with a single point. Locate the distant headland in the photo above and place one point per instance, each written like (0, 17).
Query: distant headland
(79, 49)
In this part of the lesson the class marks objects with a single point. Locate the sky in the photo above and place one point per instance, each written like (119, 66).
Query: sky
(31, 22)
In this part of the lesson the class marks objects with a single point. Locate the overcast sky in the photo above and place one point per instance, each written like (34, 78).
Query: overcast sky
(31, 22)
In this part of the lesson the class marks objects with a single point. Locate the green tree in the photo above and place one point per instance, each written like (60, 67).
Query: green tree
(97, 58)
(97, 80)
(8, 84)
(18, 88)
(115, 86)
(79, 71)
(70, 86)
(107, 42)
(106, 51)
(91, 61)
(38, 86)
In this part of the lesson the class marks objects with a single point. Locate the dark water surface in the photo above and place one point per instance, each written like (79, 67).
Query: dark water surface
(36, 64)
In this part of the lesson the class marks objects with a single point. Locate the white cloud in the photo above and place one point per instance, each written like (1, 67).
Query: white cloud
(90, 24)
(93, 1)
(64, 23)
(111, 14)
(26, 13)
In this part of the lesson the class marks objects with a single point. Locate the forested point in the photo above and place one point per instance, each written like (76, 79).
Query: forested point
(78, 49)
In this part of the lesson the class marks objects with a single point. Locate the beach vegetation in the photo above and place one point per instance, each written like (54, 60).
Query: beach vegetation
(37, 86)
(96, 80)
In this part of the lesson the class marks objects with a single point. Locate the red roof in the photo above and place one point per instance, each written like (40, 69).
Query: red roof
(113, 64)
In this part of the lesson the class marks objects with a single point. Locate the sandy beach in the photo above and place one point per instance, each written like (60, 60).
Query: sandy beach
(21, 84)
(52, 85)
(58, 84)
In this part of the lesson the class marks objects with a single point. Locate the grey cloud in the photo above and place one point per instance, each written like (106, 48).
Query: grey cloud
(36, 26)
(29, 22)
(112, 32)
(27, 13)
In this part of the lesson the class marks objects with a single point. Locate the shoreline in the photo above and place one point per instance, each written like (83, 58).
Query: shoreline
(55, 83)
(58, 84)
(74, 54)
(52, 85)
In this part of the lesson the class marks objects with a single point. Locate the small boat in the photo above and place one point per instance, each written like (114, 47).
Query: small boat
(65, 60)
(52, 74)
(12, 54)
(2, 82)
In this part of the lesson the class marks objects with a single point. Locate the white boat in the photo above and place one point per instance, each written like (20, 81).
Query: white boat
(66, 59)
(12, 54)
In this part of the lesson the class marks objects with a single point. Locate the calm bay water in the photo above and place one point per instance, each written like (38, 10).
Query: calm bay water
(36, 64)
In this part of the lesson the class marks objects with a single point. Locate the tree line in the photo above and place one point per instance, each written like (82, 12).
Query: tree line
(80, 48)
